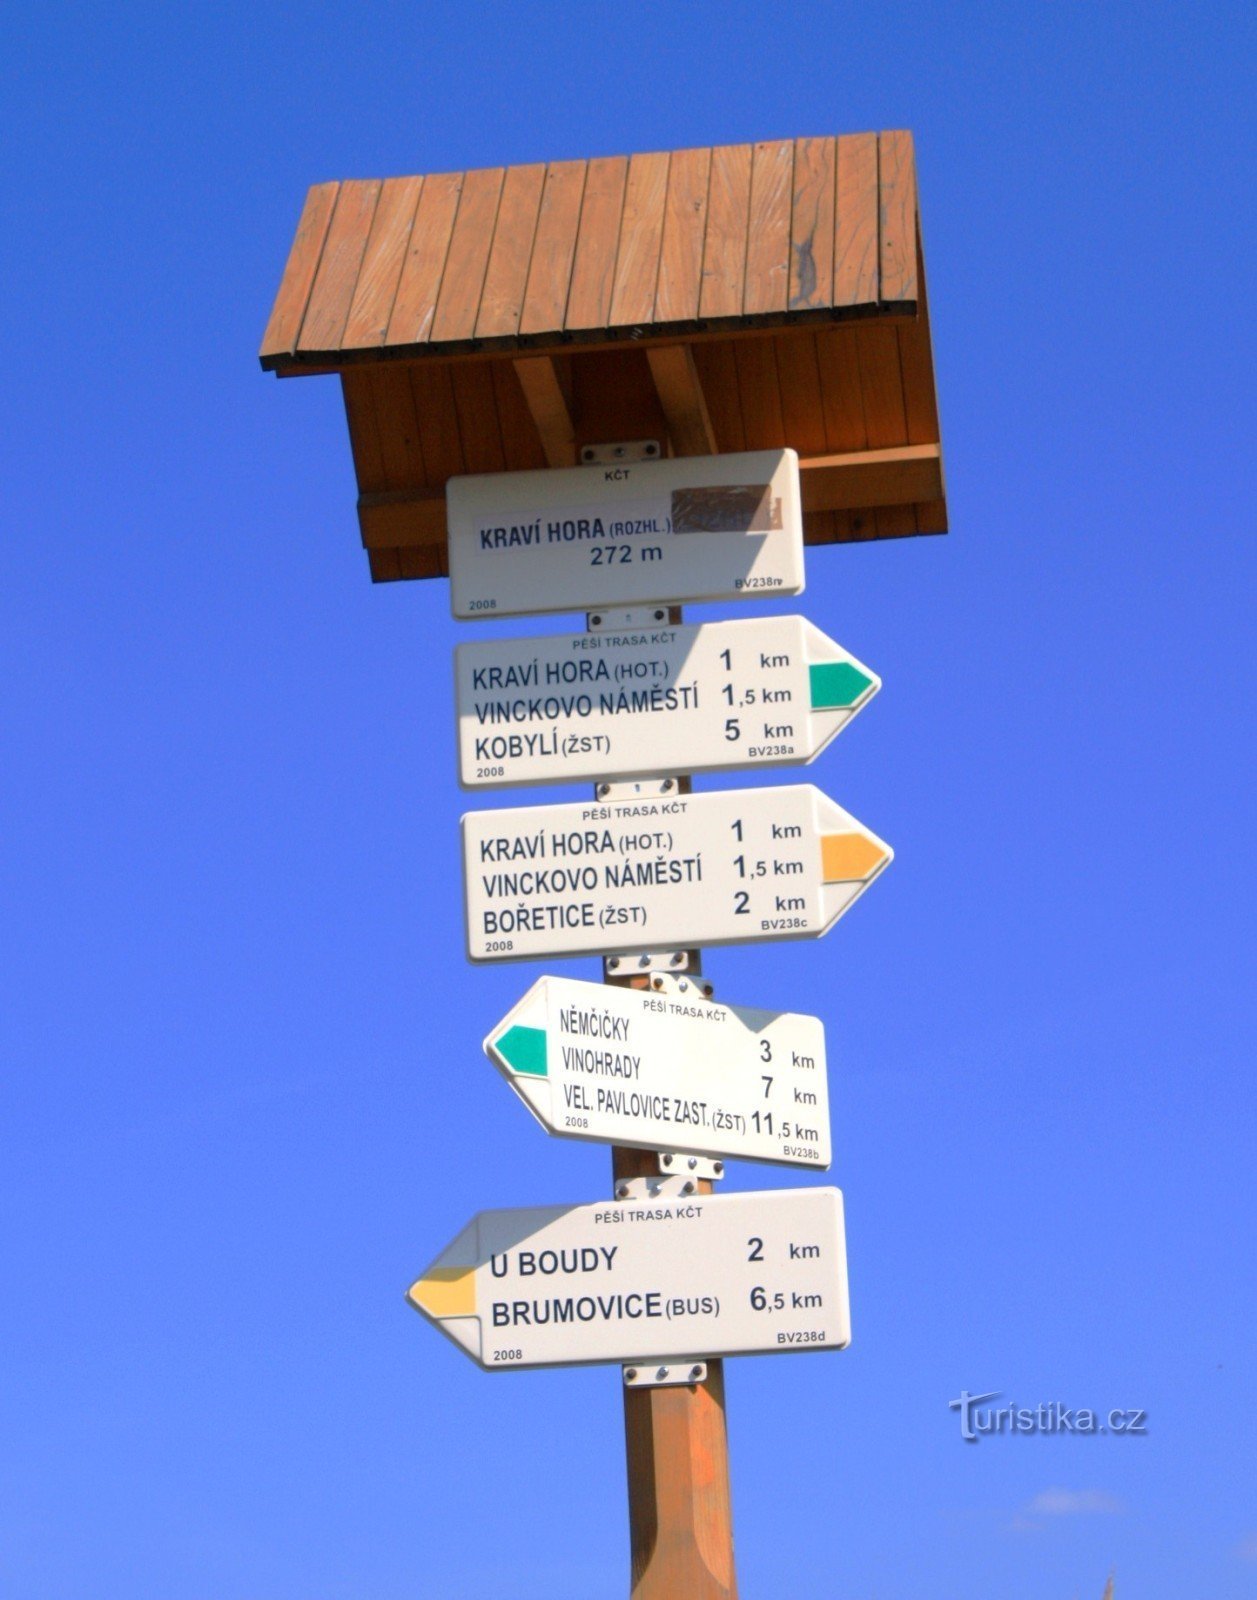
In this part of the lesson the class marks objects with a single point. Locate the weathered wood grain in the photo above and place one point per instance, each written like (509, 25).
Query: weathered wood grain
(812, 225)
(554, 245)
(684, 229)
(718, 373)
(724, 246)
(897, 191)
(856, 260)
(767, 285)
(334, 282)
(410, 321)
(507, 273)
(284, 327)
(382, 262)
(597, 243)
(641, 237)
(463, 281)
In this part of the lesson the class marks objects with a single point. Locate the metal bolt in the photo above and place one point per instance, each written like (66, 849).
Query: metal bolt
(696, 1373)
(613, 962)
(709, 990)
(604, 789)
(678, 956)
(692, 1163)
(666, 1160)
(652, 449)
(660, 615)
(687, 1187)
(619, 450)
(621, 1191)
(718, 1167)
(662, 1373)
(596, 619)
(656, 983)
(643, 961)
(682, 986)
(630, 1373)
(666, 785)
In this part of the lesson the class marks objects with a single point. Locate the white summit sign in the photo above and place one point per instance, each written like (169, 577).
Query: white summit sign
(662, 873)
(619, 703)
(668, 1070)
(669, 1277)
(575, 538)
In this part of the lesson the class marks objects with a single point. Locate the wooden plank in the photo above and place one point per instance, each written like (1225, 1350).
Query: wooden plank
(724, 245)
(838, 359)
(550, 272)
(402, 453)
(384, 565)
(382, 262)
(799, 382)
(760, 394)
(401, 519)
(411, 318)
(597, 238)
(916, 364)
(681, 395)
(358, 393)
(334, 282)
(511, 252)
(419, 562)
(684, 228)
(897, 477)
(544, 396)
(521, 443)
(812, 225)
(881, 387)
(613, 397)
(458, 301)
(477, 408)
(718, 373)
(438, 421)
(767, 284)
(641, 236)
(284, 327)
(855, 222)
(898, 220)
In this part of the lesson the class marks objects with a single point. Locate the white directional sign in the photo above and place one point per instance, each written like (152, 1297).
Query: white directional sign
(652, 700)
(666, 1278)
(668, 1070)
(572, 539)
(663, 873)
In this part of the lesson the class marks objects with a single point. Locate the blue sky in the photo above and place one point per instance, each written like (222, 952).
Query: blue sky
(242, 1101)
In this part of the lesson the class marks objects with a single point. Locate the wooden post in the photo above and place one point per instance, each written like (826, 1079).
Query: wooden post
(676, 1443)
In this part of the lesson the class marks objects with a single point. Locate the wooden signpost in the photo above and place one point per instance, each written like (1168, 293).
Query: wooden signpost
(627, 383)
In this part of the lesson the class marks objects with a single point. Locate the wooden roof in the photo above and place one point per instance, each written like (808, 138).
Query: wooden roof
(741, 297)
(619, 245)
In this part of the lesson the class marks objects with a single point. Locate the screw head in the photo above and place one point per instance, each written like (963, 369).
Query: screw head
(718, 1166)
(660, 615)
(687, 1187)
(696, 1373)
(643, 961)
(666, 1160)
(596, 619)
(613, 962)
(621, 1191)
(662, 1373)
(682, 986)
(630, 1373)
(666, 785)
(692, 1163)
(678, 956)
(656, 983)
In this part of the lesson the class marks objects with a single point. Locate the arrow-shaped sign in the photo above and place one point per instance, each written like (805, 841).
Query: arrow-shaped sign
(673, 872)
(667, 1069)
(670, 1277)
(659, 699)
